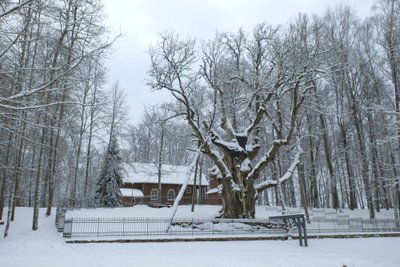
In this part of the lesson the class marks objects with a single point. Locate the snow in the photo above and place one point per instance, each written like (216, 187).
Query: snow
(46, 248)
(246, 165)
(221, 164)
(213, 190)
(210, 211)
(143, 211)
(234, 186)
(148, 173)
(251, 148)
(215, 173)
(232, 146)
(131, 192)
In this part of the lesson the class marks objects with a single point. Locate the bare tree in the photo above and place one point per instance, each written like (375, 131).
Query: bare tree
(387, 19)
(43, 46)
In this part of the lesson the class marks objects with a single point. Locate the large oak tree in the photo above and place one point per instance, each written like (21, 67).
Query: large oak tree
(239, 89)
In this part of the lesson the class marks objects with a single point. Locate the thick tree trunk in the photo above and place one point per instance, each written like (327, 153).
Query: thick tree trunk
(250, 198)
(231, 204)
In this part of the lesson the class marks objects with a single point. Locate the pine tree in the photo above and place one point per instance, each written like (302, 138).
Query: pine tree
(108, 193)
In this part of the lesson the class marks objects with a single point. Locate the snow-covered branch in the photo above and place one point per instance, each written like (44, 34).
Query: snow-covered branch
(231, 147)
(267, 158)
(272, 183)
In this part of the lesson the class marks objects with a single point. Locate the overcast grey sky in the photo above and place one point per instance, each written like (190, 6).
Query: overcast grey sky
(141, 22)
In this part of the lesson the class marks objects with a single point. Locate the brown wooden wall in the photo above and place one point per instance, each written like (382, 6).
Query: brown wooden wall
(147, 187)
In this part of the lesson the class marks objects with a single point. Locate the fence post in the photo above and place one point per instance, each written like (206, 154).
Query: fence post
(123, 226)
(60, 222)
(57, 215)
(348, 224)
(98, 226)
(68, 228)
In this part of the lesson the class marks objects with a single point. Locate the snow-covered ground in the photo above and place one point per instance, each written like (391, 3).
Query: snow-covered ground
(46, 247)
(209, 211)
(143, 211)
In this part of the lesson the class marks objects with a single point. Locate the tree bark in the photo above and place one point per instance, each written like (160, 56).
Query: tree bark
(350, 176)
(302, 182)
(332, 176)
(35, 219)
(5, 180)
(312, 173)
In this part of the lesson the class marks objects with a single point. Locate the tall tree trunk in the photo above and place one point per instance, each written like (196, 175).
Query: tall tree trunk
(312, 173)
(32, 174)
(79, 148)
(5, 180)
(11, 202)
(374, 164)
(18, 165)
(35, 219)
(392, 46)
(332, 176)
(159, 165)
(194, 189)
(90, 137)
(350, 176)
(302, 182)
(363, 155)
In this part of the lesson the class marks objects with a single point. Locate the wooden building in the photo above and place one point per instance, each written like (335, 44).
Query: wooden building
(140, 185)
(212, 194)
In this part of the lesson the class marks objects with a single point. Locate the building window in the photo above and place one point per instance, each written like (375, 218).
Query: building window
(171, 194)
(154, 194)
(189, 189)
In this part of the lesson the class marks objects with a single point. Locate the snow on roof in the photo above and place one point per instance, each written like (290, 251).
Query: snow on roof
(213, 190)
(148, 173)
(131, 192)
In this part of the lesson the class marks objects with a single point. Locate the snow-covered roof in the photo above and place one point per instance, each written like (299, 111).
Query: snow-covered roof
(148, 173)
(131, 192)
(213, 190)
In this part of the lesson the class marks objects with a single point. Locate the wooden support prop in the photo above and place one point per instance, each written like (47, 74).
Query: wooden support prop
(294, 219)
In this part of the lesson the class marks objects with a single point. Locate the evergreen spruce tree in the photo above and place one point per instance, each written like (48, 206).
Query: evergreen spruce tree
(108, 193)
